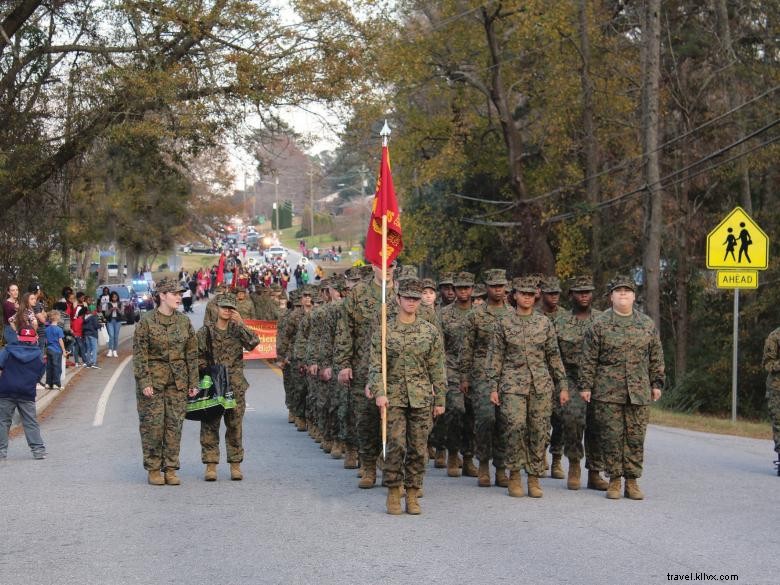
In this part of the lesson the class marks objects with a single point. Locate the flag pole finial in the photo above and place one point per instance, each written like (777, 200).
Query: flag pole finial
(385, 133)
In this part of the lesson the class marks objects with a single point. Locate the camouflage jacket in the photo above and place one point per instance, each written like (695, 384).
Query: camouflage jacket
(288, 335)
(571, 332)
(165, 345)
(330, 321)
(360, 314)
(415, 365)
(228, 349)
(523, 356)
(302, 336)
(454, 322)
(622, 359)
(282, 336)
(481, 326)
(212, 311)
(771, 361)
(314, 343)
(246, 309)
(266, 308)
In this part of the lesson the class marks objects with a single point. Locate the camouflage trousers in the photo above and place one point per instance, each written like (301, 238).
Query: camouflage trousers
(298, 390)
(368, 424)
(312, 398)
(773, 402)
(287, 383)
(488, 438)
(348, 401)
(407, 456)
(438, 436)
(620, 431)
(328, 407)
(459, 421)
(557, 440)
(577, 416)
(526, 423)
(161, 417)
(209, 433)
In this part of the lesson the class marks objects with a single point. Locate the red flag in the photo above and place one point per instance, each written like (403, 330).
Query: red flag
(221, 268)
(384, 203)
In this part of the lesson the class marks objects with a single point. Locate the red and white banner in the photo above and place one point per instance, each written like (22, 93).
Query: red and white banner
(266, 331)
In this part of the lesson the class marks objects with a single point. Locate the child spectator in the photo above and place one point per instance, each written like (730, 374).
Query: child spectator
(113, 318)
(77, 327)
(21, 366)
(55, 347)
(90, 330)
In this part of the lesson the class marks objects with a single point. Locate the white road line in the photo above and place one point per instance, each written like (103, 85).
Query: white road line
(106, 394)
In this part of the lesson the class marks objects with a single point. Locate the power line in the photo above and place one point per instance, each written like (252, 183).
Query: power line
(643, 188)
(626, 162)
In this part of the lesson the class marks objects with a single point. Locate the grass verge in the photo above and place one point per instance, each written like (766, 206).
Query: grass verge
(710, 424)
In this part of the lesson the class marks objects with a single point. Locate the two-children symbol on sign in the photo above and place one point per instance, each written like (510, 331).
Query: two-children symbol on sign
(731, 242)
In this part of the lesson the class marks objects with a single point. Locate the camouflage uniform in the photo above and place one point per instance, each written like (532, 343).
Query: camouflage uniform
(165, 357)
(210, 316)
(482, 324)
(335, 401)
(266, 307)
(317, 395)
(574, 414)
(524, 366)
(359, 318)
(227, 347)
(301, 384)
(415, 384)
(459, 415)
(771, 363)
(246, 308)
(551, 284)
(285, 338)
(622, 359)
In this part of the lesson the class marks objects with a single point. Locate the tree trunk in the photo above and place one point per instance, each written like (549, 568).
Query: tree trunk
(590, 146)
(530, 238)
(731, 88)
(651, 73)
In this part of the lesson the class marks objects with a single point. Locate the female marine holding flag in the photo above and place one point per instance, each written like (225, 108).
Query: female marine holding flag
(416, 389)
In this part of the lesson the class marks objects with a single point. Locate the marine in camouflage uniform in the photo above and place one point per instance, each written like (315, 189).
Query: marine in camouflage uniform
(334, 400)
(415, 385)
(571, 327)
(459, 417)
(244, 305)
(482, 324)
(165, 358)
(300, 375)
(771, 363)
(266, 305)
(524, 368)
(621, 373)
(287, 329)
(550, 290)
(225, 346)
(316, 397)
(210, 316)
(360, 316)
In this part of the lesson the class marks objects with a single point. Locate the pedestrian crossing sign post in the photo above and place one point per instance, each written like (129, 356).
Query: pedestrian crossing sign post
(737, 244)
(737, 248)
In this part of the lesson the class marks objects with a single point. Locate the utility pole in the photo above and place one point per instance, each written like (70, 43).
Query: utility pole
(311, 202)
(276, 205)
(363, 180)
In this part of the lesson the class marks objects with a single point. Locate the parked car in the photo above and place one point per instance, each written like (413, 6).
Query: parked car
(275, 252)
(127, 297)
(201, 248)
(185, 249)
(145, 295)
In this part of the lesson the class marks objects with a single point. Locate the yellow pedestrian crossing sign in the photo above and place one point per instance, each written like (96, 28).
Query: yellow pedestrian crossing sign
(737, 243)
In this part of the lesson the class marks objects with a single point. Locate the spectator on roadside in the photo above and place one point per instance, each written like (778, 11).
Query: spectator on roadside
(90, 330)
(55, 347)
(10, 307)
(113, 317)
(25, 315)
(104, 298)
(77, 326)
(186, 299)
(21, 363)
(40, 314)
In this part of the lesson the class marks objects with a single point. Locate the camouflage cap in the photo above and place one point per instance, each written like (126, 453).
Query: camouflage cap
(428, 283)
(551, 284)
(446, 278)
(366, 270)
(168, 285)
(237, 289)
(480, 290)
(494, 277)
(352, 273)
(338, 283)
(276, 287)
(525, 284)
(582, 283)
(622, 281)
(226, 301)
(403, 272)
(308, 290)
(463, 279)
(324, 283)
(410, 287)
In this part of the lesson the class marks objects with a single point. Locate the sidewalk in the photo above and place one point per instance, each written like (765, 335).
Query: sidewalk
(45, 397)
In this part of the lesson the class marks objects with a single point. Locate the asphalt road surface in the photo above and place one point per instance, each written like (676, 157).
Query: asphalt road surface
(86, 514)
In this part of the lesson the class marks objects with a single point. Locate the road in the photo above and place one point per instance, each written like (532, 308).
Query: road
(85, 515)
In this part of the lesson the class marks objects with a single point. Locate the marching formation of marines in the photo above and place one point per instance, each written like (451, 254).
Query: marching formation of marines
(496, 370)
